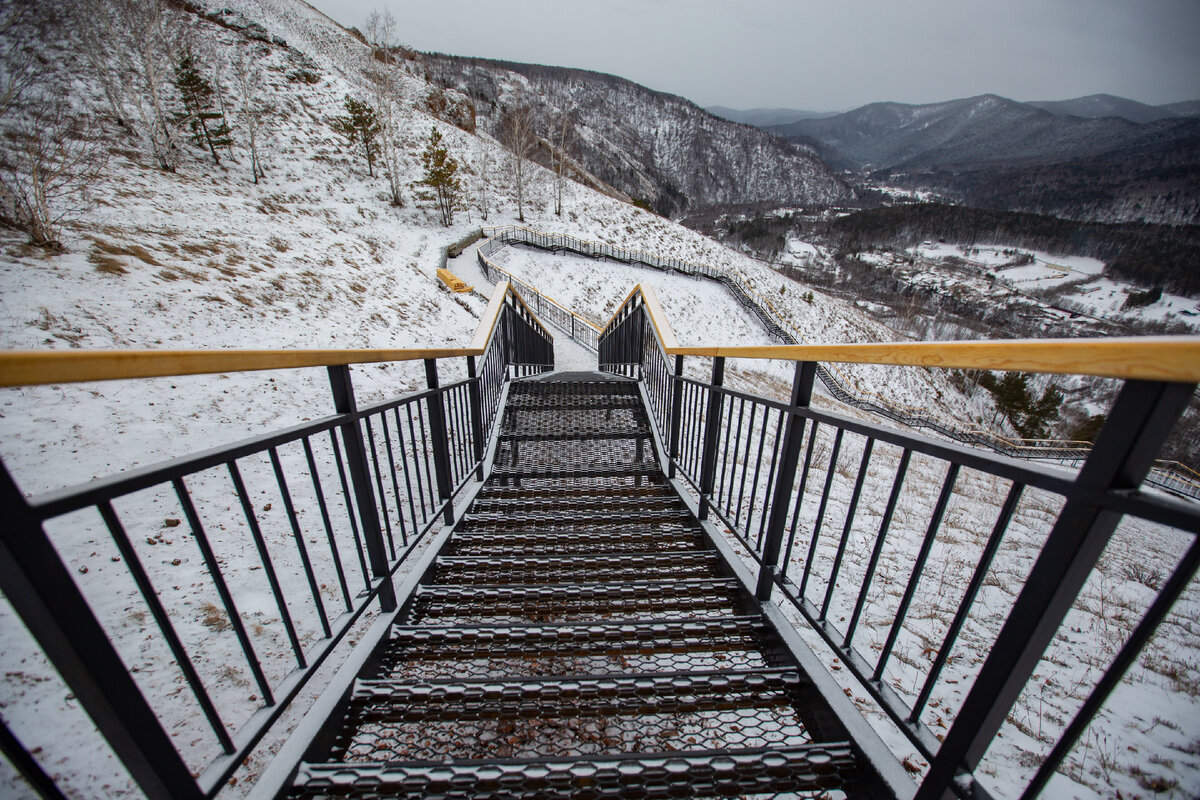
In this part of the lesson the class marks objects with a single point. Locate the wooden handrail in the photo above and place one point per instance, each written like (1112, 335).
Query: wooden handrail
(1161, 358)
(40, 367)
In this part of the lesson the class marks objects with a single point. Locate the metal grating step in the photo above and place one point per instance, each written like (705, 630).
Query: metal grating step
(562, 697)
(724, 772)
(535, 517)
(645, 599)
(569, 491)
(590, 567)
(618, 474)
(552, 504)
(513, 538)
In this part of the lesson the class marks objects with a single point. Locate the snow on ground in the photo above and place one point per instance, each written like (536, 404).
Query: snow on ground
(311, 257)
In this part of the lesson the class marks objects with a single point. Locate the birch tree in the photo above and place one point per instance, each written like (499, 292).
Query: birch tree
(519, 134)
(251, 108)
(562, 142)
(388, 89)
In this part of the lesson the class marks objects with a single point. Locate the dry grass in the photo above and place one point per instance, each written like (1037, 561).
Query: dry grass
(214, 618)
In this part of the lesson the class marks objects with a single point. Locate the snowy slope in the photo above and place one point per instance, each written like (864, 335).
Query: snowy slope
(313, 256)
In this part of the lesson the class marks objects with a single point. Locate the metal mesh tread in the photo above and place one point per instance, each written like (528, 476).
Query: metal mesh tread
(569, 490)
(813, 768)
(599, 567)
(509, 539)
(550, 503)
(646, 599)
(575, 696)
(533, 473)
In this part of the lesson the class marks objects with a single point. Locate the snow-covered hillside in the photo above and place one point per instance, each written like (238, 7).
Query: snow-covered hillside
(314, 256)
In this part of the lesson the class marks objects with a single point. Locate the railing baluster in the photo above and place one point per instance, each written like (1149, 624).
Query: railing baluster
(364, 496)
(391, 457)
(476, 416)
(29, 768)
(712, 428)
(146, 588)
(850, 513)
(812, 439)
(802, 386)
(830, 471)
(214, 572)
(437, 432)
(299, 537)
(264, 556)
(384, 514)
(737, 510)
(964, 605)
(359, 549)
(880, 537)
(333, 549)
(762, 518)
(914, 578)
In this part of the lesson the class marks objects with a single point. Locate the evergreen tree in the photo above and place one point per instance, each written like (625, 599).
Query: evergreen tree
(441, 173)
(199, 106)
(360, 126)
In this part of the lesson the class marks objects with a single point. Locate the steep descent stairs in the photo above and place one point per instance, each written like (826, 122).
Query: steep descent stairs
(579, 636)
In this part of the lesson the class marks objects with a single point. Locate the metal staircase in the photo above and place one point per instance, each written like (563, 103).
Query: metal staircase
(579, 636)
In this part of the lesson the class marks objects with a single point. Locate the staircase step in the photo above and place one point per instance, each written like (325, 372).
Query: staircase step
(585, 696)
(513, 538)
(554, 504)
(589, 567)
(724, 772)
(569, 491)
(646, 599)
(529, 475)
(533, 517)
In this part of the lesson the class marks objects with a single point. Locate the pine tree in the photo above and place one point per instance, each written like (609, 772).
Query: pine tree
(360, 126)
(199, 106)
(441, 173)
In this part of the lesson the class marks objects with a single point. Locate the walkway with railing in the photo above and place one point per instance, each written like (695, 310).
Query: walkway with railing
(523, 585)
(766, 472)
(1170, 475)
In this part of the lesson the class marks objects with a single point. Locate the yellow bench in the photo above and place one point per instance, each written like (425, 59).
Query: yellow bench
(451, 280)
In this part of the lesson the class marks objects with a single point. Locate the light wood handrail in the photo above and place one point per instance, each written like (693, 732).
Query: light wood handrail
(41, 367)
(1161, 358)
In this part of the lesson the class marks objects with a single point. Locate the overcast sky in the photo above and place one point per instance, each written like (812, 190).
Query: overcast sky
(828, 55)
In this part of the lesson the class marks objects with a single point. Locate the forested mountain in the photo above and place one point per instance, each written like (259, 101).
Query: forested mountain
(654, 147)
(997, 153)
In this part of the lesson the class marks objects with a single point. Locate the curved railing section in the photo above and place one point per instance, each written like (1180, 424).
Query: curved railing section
(577, 327)
(1169, 475)
(354, 493)
(751, 464)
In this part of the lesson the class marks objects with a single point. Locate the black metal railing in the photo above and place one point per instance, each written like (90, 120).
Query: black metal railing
(810, 499)
(1169, 475)
(297, 533)
(547, 308)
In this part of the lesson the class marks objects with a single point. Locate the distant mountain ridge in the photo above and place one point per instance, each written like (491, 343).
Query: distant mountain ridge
(765, 117)
(1096, 106)
(1000, 153)
(649, 145)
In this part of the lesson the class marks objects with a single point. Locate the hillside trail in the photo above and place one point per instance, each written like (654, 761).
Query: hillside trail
(569, 355)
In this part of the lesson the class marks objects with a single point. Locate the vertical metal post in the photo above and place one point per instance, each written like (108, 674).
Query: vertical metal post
(42, 591)
(708, 461)
(476, 403)
(793, 437)
(1138, 423)
(676, 416)
(360, 481)
(441, 442)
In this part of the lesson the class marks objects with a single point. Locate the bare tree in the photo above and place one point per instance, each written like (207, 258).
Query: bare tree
(251, 108)
(151, 38)
(483, 168)
(519, 134)
(18, 34)
(562, 142)
(388, 89)
(47, 168)
(102, 44)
